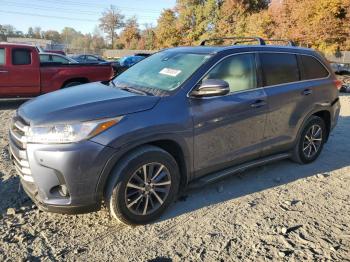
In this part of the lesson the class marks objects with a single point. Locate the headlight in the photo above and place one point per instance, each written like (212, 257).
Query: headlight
(68, 133)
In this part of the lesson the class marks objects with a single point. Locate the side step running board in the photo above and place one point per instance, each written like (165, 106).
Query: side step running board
(213, 177)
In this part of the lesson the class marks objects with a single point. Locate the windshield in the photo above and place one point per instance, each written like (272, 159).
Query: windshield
(164, 71)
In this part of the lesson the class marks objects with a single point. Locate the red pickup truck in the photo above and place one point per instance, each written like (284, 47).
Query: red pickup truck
(23, 76)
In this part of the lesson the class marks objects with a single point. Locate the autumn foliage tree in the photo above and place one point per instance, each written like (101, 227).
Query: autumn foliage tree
(130, 35)
(166, 32)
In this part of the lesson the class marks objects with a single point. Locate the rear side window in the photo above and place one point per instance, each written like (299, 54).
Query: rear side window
(279, 68)
(2, 56)
(91, 58)
(58, 59)
(44, 58)
(312, 68)
(21, 57)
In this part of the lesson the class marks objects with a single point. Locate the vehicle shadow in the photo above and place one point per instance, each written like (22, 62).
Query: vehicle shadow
(335, 156)
(11, 195)
(7, 105)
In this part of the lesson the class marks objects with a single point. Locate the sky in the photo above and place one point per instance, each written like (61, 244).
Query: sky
(81, 15)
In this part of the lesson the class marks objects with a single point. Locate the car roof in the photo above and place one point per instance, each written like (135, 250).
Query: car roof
(17, 44)
(239, 48)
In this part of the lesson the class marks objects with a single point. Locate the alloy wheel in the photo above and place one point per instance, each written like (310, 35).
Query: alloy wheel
(147, 188)
(312, 141)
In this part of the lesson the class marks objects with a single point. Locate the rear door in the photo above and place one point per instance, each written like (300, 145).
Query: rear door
(22, 73)
(289, 99)
(229, 129)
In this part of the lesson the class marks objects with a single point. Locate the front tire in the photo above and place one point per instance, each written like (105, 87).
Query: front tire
(311, 141)
(142, 186)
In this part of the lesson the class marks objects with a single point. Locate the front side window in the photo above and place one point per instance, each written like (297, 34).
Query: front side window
(279, 68)
(2, 56)
(164, 71)
(312, 69)
(21, 57)
(238, 71)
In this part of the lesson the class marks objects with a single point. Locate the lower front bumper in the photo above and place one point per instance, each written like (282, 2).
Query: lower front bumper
(76, 167)
(68, 209)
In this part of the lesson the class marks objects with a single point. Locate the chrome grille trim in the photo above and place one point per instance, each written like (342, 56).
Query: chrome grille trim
(18, 144)
(21, 126)
(22, 163)
(19, 140)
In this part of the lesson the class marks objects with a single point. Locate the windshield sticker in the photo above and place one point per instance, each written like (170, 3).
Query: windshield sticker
(170, 72)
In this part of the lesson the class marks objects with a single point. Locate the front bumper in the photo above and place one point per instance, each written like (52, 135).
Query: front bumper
(49, 168)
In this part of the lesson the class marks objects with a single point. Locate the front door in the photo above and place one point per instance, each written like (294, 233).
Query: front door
(21, 74)
(229, 129)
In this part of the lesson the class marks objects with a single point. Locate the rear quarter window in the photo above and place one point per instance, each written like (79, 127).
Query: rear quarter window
(312, 68)
(279, 68)
(2, 56)
(21, 57)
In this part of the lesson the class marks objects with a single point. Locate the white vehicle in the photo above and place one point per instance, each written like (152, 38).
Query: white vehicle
(56, 58)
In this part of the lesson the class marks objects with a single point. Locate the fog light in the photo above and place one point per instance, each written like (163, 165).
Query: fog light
(62, 189)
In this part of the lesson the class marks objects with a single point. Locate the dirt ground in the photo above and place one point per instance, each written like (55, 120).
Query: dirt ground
(280, 212)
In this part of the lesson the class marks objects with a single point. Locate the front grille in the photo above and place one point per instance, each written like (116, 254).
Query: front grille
(18, 145)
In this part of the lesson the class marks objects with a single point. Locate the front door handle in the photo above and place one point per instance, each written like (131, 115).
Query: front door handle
(3, 71)
(307, 92)
(258, 103)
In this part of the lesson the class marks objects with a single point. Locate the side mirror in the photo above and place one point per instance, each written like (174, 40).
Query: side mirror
(211, 87)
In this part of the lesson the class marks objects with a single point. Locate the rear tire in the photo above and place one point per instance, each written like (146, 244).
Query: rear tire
(311, 141)
(135, 198)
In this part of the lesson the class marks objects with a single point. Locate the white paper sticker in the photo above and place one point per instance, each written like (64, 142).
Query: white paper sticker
(170, 72)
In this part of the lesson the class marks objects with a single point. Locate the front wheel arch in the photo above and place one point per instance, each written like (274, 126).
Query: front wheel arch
(116, 182)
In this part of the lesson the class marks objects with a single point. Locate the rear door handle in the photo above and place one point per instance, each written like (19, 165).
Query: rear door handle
(307, 92)
(3, 71)
(258, 103)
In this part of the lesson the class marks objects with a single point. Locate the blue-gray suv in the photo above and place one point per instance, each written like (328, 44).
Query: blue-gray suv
(187, 115)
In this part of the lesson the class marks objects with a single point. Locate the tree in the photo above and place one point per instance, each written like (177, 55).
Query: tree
(37, 32)
(166, 31)
(197, 19)
(130, 34)
(322, 24)
(52, 35)
(68, 34)
(147, 38)
(110, 21)
(30, 32)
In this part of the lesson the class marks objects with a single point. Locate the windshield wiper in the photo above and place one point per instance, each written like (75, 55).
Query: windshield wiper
(112, 82)
(131, 89)
(134, 90)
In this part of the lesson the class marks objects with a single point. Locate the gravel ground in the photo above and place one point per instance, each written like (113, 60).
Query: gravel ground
(282, 211)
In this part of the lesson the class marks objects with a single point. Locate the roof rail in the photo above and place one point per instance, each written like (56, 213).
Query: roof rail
(245, 39)
(248, 39)
(289, 42)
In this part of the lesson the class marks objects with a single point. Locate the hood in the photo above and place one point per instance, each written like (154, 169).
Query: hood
(83, 103)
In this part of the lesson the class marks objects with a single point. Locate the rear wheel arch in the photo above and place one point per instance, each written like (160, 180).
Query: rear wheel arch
(326, 116)
(322, 113)
(81, 80)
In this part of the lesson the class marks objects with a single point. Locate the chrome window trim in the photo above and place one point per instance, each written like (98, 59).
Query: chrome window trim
(262, 87)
